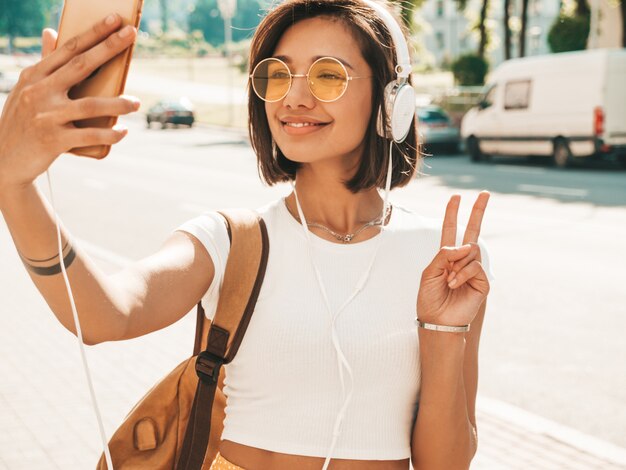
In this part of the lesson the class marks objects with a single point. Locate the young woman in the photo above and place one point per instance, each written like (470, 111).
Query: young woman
(352, 376)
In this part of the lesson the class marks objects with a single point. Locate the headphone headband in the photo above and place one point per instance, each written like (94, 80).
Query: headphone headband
(403, 69)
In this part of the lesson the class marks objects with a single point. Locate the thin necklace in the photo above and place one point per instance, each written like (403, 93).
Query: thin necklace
(347, 238)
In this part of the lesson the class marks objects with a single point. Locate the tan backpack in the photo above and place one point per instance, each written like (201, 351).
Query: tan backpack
(179, 422)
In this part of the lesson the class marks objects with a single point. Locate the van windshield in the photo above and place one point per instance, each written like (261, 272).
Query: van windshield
(488, 97)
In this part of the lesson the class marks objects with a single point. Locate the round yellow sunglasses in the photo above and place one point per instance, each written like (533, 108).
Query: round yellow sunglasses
(327, 79)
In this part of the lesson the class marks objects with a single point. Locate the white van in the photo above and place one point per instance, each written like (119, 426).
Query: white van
(563, 106)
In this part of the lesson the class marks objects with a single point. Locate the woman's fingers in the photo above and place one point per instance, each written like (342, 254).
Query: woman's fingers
(82, 65)
(95, 136)
(446, 257)
(48, 41)
(85, 108)
(471, 271)
(474, 254)
(78, 44)
(448, 231)
(472, 231)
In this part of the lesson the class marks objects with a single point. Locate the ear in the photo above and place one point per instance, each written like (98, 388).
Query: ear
(48, 42)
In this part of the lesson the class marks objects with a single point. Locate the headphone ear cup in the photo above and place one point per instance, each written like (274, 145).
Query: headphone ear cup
(399, 102)
(384, 128)
(403, 112)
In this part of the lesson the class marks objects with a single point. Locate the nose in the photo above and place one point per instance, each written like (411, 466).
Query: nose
(299, 95)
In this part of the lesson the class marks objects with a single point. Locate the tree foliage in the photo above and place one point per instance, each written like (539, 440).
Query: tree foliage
(480, 26)
(470, 70)
(22, 17)
(569, 33)
(206, 18)
(524, 26)
(506, 24)
(407, 10)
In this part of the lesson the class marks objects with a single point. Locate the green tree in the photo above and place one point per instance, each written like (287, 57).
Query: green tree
(206, 18)
(407, 10)
(582, 8)
(522, 32)
(482, 29)
(21, 18)
(569, 33)
(470, 70)
(480, 26)
(507, 29)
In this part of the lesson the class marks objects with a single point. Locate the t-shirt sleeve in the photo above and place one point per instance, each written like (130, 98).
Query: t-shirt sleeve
(486, 260)
(210, 229)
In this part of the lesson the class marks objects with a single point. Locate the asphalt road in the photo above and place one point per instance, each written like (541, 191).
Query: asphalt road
(553, 340)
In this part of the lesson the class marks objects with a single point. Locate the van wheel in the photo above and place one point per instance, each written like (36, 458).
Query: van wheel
(473, 148)
(562, 156)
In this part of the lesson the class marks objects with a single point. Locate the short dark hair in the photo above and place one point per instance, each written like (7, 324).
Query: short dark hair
(377, 48)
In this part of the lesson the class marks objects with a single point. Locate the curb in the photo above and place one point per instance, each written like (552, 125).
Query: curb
(539, 425)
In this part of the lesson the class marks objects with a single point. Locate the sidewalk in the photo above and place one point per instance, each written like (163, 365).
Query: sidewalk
(46, 419)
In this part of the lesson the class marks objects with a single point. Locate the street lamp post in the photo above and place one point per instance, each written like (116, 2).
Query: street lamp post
(227, 10)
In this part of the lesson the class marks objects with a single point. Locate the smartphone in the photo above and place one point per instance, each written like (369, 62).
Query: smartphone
(108, 80)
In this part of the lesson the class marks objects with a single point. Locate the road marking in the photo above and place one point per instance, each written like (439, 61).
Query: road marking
(467, 179)
(554, 190)
(519, 169)
(539, 425)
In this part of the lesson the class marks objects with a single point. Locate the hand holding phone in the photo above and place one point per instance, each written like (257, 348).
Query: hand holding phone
(37, 121)
(107, 80)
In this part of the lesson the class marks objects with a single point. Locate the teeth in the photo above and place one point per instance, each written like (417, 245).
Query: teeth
(301, 124)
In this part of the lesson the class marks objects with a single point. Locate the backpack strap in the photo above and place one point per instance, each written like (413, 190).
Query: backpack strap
(243, 277)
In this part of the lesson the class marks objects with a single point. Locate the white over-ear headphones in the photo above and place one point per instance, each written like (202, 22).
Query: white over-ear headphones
(399, 96)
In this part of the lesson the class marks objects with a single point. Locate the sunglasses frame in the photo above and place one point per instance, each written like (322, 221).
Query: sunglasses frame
(300, 75)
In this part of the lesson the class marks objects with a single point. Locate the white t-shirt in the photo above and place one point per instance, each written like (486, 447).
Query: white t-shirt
(283, 387)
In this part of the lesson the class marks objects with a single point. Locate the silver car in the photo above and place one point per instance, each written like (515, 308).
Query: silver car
(437, 130)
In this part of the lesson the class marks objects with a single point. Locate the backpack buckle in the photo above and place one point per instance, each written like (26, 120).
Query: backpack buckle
(208, 367)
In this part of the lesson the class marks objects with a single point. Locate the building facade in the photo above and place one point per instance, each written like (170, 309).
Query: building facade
(445, 33)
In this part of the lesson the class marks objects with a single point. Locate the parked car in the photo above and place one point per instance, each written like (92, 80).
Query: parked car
(171, 112)
(560, 106)
(437, 130)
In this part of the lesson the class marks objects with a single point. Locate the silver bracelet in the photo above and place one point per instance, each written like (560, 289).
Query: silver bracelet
(448, 329)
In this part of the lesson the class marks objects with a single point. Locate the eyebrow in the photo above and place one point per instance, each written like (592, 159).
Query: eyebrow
(286, 59)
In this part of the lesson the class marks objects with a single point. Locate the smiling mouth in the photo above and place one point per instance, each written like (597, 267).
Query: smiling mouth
(303, 124)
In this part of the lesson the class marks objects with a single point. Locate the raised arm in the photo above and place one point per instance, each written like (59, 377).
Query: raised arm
(36, 126)
(146, 296)
(453, 292)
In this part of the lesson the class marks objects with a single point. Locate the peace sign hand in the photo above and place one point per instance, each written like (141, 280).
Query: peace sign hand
(454, 284)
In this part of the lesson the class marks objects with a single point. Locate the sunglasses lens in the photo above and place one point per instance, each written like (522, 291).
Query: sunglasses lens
(328, 79)
(270, 80)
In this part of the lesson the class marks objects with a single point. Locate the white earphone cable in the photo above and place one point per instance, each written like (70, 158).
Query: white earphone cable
(79, 334)
(341, 359)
